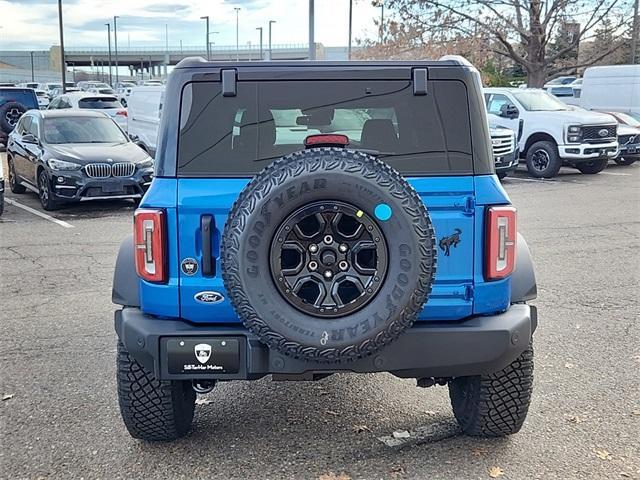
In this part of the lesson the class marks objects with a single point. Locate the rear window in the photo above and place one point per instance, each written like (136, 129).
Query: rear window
(27, 97)
(240, 135)
(99, 103)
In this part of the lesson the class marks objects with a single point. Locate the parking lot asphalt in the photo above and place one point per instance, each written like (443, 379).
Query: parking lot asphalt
(59, 415)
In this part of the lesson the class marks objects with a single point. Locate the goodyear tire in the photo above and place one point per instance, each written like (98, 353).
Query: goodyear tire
(333, 193)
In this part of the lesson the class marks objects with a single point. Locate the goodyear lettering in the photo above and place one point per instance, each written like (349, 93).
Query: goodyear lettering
(259, 226)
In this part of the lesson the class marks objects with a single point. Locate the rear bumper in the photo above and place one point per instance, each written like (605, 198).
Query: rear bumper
(478, 345)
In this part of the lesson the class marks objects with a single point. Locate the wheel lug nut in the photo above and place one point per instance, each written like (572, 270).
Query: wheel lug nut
(328, 239)
(313, 248)
(313, 266)
(343, 265)
(343, 248)
(328, 274)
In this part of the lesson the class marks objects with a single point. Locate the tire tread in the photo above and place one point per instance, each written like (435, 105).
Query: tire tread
(494, 405)
(152, 410)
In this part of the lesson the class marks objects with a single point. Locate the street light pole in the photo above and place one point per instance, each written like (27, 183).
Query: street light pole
(381, 23)
(207, 42)
(109, 43)
(115, 42)
(350, 27)
(312, 42)
(260, 28)
(237, 9)
(271, 22)
(634, 33)
(32, 75)
(62, 57)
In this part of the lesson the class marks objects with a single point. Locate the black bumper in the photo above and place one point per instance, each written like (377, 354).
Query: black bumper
(508, 162)
(479, 345)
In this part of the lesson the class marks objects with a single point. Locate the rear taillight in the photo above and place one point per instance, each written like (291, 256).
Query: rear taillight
(501, 242)
(150, 244)
(122, 112)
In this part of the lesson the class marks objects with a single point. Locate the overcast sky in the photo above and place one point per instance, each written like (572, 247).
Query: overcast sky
(33, 24)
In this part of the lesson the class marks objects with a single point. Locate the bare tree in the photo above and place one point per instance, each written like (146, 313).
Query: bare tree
(541, 36)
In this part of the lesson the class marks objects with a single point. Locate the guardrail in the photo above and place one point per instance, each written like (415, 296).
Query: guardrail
(176, 50)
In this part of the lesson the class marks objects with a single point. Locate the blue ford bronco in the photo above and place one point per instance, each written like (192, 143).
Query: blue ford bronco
(311, 218)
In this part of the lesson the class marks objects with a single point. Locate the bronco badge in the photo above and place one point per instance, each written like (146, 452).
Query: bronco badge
(451, 241)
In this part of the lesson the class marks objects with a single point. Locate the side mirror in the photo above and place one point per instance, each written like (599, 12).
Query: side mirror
(29, 138)
(508, 110)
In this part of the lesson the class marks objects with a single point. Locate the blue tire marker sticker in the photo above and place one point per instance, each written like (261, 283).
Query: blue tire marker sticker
(383, 212)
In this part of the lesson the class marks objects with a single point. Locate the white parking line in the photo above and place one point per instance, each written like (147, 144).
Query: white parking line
(616, 174)
(39, 214)
(520, 179)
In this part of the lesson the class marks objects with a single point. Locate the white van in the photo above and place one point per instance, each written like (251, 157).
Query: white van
(144, 105)
(613, 88)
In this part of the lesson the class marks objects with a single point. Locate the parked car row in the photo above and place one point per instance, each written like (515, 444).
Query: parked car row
(551, 134)
(526, 125)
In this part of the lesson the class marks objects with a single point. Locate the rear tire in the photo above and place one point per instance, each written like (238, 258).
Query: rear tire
(494, 405)
(625, 161)
(543, 160)
(593, 167)
(13, 179)
(45, 194)
(152, 410)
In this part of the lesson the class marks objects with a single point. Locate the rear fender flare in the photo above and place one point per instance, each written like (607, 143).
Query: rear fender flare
(523, 279)
(126, 284)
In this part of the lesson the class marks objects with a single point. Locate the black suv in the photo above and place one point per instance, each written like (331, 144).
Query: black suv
(14, 102)
(313, 218)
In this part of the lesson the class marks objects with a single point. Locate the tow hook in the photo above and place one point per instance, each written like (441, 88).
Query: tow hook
(203, 386)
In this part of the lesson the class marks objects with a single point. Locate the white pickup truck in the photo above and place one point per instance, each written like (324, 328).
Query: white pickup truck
(552, 134)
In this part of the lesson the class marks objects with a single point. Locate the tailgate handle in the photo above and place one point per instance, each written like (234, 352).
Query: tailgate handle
(207, 225)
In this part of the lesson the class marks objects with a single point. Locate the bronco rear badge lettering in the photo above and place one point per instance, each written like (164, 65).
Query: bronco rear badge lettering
(451, 241)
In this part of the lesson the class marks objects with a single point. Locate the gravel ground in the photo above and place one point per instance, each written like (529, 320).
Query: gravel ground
(57, 352)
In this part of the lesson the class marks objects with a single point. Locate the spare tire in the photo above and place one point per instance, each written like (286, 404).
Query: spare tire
(328, 255)
(10, 113)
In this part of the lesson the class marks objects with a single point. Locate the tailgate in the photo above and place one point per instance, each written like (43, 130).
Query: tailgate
(203, 206)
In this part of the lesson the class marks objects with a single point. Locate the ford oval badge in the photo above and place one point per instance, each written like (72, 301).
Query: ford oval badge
(209, 297)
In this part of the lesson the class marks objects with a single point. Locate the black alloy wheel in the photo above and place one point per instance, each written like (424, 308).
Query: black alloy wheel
(328, 259)
(540, 160)
(44, 192)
